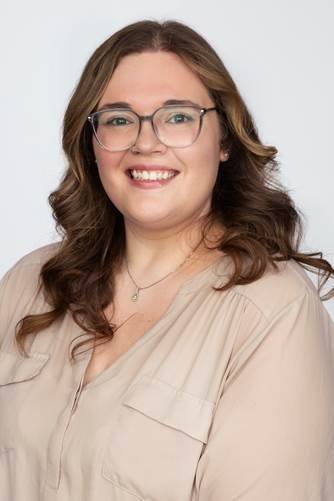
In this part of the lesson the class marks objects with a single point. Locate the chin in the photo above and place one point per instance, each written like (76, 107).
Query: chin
(151, 220)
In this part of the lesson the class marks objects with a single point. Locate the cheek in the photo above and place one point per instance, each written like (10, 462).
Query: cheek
(108, 170)
(203, 160)
(107, 159)
(107, 163)
(208, 142)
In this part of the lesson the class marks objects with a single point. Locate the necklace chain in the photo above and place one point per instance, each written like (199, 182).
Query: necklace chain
(135, 295)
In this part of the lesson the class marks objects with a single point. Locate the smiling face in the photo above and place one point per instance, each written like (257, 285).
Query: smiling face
(146, 81)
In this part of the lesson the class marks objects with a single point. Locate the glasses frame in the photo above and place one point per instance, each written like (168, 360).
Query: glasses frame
(149, 118)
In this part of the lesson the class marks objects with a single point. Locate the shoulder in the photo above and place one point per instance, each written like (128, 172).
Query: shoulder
(282, 308)
(19, 286)
(275, 290)
(23, 274)
(29, 264)
(35, 258)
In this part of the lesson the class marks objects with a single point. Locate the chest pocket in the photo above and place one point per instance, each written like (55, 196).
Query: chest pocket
(15, 369)
(153, 451)
(16, 377)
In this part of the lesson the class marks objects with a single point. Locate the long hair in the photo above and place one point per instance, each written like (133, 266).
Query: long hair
(259, 218)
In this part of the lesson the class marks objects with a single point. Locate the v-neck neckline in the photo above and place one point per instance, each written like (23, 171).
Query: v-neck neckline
(192, 284)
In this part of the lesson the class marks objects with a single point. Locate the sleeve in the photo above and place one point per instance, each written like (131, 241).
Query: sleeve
(272, 437)
(18, 293)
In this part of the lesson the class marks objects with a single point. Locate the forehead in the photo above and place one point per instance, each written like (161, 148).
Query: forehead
(148, 79)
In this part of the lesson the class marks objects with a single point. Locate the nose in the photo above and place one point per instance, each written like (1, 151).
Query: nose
(147, 140)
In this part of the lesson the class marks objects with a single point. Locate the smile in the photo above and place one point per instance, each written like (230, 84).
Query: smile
(151, 175)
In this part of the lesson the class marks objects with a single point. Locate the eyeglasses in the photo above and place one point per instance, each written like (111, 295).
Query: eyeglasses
(117, 129)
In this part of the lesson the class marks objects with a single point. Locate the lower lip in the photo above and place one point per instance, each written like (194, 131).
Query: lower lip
(149, 185)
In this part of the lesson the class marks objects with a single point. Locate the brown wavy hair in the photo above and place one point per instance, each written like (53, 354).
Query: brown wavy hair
(259, 218)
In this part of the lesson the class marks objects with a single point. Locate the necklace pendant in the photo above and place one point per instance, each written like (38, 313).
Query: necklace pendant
(135, 296)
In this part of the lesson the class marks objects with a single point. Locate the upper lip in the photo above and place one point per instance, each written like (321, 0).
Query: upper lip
(150, 167)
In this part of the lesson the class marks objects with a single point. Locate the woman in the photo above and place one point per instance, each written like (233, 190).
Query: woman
(205, 365)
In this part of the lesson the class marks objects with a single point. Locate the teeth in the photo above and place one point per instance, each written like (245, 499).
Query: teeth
(152, 175)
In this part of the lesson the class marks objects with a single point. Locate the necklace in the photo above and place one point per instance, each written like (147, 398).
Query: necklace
(135, 295)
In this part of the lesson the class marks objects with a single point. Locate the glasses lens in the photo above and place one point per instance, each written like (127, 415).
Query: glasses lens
(116, 129)
(177, 126)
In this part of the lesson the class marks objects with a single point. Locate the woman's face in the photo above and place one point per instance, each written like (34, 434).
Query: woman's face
(145, 82)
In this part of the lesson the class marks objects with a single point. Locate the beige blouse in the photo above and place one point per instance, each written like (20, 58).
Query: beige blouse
(228, 397)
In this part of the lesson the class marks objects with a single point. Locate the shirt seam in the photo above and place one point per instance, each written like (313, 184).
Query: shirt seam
(280, 311)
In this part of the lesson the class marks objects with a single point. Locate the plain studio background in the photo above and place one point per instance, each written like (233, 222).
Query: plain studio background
(280, 55)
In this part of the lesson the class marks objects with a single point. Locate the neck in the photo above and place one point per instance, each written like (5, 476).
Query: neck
(151, 256)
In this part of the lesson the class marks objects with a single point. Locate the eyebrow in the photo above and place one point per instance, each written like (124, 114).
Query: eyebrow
(123, 104)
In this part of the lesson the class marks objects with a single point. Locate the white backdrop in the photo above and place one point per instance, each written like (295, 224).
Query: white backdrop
(279, 53)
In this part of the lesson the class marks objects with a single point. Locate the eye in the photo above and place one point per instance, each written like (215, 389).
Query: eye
(116, 118)
(180, 118)
(118, 121)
